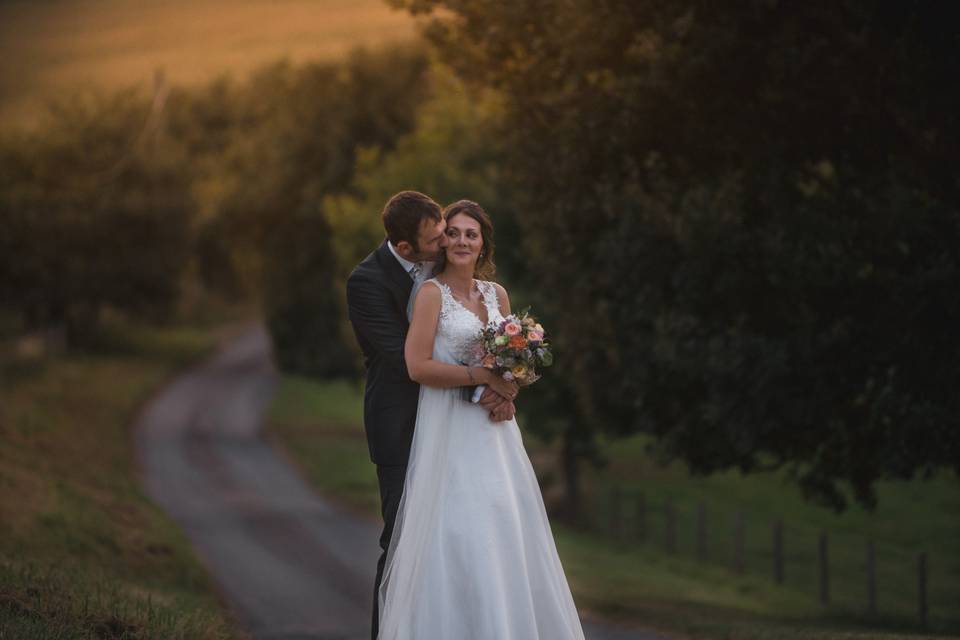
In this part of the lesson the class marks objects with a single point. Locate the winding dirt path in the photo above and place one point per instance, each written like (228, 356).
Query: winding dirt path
(291, 565)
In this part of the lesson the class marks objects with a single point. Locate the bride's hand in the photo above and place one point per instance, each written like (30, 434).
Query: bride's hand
(506, 389)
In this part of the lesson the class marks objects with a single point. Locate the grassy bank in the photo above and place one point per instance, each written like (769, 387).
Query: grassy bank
(637, 581)
(84, 553)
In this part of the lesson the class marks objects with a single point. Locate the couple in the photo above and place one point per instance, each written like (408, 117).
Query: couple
(467, 549)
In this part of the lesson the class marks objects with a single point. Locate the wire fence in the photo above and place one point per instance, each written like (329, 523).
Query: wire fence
(844, 571)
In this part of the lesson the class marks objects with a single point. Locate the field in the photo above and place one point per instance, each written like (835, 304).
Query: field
(636, 580)
(83, 552)
(48, 48)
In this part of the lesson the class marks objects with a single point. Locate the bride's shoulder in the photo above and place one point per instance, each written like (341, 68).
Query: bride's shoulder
(431, 292)
(501, 292)
(497, 288)
(427, 300)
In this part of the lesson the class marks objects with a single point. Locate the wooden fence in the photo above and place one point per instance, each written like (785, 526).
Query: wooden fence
(628, 517)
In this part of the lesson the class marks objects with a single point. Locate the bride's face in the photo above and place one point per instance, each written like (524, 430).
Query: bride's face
(464, 241)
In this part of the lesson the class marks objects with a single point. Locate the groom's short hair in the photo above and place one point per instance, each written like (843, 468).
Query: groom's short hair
(405, 212)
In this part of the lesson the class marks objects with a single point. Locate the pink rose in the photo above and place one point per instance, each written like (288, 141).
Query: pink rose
(534, 336)
(512, 329)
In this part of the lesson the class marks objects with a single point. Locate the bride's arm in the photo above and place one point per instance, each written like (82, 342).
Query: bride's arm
(418, 350)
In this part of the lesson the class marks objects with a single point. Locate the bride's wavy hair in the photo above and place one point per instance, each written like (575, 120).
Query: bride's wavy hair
(485, 267)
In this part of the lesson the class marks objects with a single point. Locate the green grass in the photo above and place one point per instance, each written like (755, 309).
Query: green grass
(85, 554)
(637, 581)
(911, 517)
(321, 425)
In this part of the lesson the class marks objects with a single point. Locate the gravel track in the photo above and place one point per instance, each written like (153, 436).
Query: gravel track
(291, 565)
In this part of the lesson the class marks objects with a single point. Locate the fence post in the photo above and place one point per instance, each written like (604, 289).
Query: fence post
(616, 514)
(871, 578)
(670, 540)
(922, 588)
(738, 544)
(778, 551)
(824, 570)
(641, 517)
(701, 532)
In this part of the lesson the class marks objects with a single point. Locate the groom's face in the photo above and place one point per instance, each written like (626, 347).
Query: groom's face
(431, 241)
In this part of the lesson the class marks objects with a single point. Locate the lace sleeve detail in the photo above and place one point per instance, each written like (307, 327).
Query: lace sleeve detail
(446, 298)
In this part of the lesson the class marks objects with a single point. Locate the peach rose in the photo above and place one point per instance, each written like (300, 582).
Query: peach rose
(534, 336)
(489, 361)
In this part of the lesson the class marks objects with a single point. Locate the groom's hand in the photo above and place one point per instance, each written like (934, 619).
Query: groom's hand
(504, 412)
(500, 408)
(490, 399)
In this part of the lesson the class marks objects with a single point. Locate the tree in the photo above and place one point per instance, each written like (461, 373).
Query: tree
(752, 213)
(94, 212)
(302, 305)
(264, 154)
(455, 152)
(298, 131)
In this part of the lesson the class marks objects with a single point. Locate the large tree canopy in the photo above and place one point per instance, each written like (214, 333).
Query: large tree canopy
(752, 213)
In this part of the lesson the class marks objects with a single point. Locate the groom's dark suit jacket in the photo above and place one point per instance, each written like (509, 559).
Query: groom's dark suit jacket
(377, 293)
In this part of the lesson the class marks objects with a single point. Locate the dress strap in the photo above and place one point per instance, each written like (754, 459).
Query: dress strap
(489, 293)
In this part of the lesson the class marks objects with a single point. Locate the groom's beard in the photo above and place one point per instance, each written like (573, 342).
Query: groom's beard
(426, 257)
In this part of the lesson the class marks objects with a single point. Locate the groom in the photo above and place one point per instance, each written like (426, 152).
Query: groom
(378, 292)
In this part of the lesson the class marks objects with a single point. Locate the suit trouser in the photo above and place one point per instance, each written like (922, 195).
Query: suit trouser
(390, 479)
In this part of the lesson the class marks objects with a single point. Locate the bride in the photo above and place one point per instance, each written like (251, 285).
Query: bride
(472, 556)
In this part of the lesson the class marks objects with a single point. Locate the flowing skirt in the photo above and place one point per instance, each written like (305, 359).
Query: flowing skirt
(472, 555)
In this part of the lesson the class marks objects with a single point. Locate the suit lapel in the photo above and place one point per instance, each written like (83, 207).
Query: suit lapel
(398, 279)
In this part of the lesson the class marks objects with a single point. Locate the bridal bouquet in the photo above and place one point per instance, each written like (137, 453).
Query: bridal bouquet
(515, 348)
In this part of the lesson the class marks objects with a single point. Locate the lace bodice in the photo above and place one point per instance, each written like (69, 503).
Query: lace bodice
(458, 328)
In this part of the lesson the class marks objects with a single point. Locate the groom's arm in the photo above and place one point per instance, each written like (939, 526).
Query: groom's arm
(376, 321)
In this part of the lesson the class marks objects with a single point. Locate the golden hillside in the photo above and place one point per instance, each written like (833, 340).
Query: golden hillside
(51, 47)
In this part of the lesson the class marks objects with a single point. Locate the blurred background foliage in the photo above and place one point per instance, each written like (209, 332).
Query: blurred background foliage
(740, 226)
(95, 210)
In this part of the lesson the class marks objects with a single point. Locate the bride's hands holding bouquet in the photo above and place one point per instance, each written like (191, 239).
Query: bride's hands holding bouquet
(506, 388)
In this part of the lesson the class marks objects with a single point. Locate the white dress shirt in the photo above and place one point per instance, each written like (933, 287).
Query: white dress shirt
(406, 264)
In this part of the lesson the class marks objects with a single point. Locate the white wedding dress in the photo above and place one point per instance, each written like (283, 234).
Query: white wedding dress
(472, 555)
